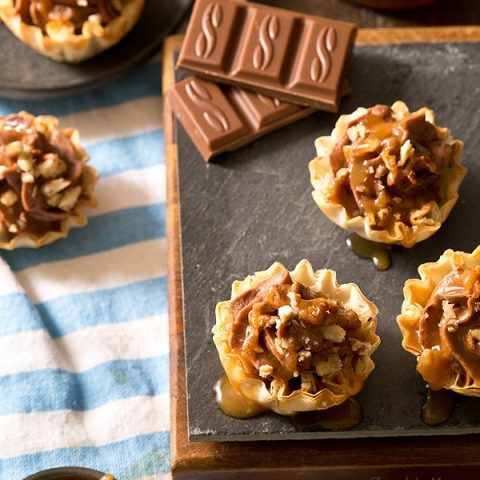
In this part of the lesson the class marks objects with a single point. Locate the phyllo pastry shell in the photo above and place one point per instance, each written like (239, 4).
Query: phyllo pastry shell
(70, 30)
(440, 322)
(44, 181)
(389, 175)
(296, 341)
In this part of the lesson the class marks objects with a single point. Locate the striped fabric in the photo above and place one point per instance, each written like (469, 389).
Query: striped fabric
(83, 322)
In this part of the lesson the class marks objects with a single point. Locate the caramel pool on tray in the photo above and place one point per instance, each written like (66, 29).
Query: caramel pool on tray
(440, 322)
(389, 175)
(295, 341)
(44, 181)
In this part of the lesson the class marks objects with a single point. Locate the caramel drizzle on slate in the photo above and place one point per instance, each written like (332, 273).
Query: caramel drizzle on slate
(233, 403)
(345, 416)
(438, 407)
(377, 252)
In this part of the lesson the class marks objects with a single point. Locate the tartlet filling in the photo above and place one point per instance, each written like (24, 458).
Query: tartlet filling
(282, 330)
(40, 177)
(72, 12)
(385, 169)
(450, 329)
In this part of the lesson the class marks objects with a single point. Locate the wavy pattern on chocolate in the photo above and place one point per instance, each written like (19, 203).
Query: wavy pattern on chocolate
(325, 45)
(250, 115)
(207, 38)
(269, 101)
(201, 97)
(265, 50)
(295, 57)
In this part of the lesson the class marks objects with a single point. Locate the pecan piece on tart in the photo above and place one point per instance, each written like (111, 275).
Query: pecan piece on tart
(389, 175)
(296, 341)
(70, 30)
(44, 180)
(440, 322)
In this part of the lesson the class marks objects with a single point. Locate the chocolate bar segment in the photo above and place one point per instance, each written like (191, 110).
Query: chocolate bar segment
(220, 118)
(296, 57)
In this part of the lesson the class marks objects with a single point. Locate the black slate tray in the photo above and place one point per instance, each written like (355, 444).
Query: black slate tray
(25, 74)
(254, 206)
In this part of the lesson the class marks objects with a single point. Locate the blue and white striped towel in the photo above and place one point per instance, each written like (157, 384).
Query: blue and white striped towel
(83, 322)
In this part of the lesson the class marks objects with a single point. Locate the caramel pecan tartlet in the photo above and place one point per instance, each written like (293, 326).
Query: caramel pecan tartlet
(389, 175)
(296, 341)
(44, 180)
(440, 322)
(70, 30)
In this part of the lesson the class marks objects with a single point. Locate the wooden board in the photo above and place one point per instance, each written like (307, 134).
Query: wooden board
(253, 206)
(353, 459)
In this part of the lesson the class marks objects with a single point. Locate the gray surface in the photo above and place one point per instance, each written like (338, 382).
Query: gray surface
(26, 74)
(254, 206)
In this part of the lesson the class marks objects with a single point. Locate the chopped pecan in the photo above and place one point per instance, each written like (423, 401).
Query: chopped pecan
(291, 326)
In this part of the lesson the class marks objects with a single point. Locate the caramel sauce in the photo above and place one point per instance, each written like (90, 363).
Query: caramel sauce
(290, 347)
(378, 253)
(31, 214)
(450, 329)
(342, 417)
(374, 177)
(40, 12)
(378, 128)
(233, 403)
(438, 406)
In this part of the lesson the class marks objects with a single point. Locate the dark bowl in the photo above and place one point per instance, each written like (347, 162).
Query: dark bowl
(67, 473)
(37, 77)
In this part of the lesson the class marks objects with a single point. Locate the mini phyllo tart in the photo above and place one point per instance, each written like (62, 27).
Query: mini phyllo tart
(296, 341)
(440, 322)
(44, 181)
(70, 30)
(389, 175)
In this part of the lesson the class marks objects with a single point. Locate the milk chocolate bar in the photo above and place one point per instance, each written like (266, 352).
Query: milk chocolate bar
(220, 118)
(289, 55)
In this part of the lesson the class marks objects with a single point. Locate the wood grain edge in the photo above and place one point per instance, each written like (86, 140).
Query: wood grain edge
(174, 270)
(374, 36)
(328, 460)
